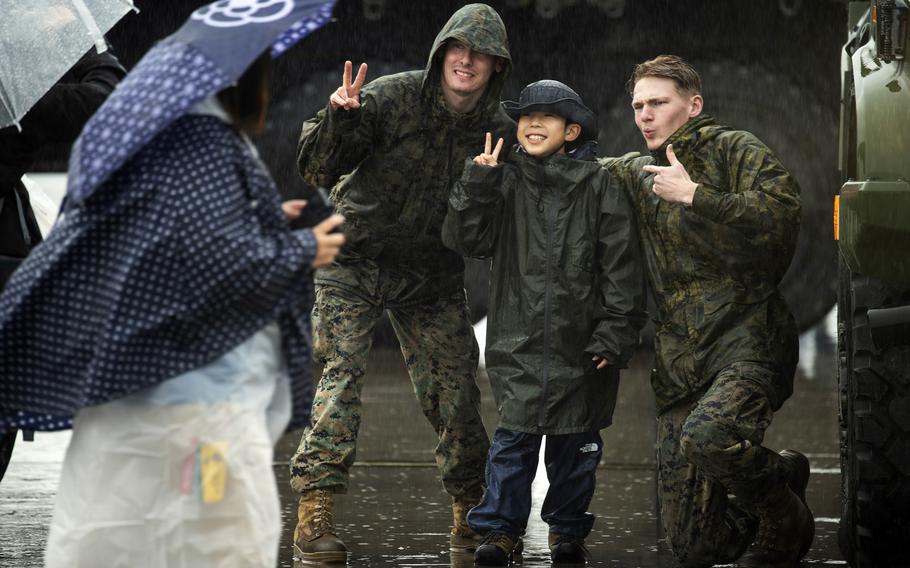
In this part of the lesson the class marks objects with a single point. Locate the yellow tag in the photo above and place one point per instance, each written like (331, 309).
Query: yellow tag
(837, 217)
(213, 472)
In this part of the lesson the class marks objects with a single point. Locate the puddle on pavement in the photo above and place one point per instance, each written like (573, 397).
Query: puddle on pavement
(396, 513)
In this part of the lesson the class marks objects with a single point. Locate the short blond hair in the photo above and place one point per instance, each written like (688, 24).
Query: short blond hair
(670, 67)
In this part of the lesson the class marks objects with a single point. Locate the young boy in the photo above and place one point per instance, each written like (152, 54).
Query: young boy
(566, 297)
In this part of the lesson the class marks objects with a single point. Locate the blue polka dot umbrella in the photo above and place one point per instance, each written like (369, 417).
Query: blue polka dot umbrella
(148, 280)
(211, 51)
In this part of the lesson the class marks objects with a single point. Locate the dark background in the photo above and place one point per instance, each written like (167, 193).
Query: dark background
(767, 66)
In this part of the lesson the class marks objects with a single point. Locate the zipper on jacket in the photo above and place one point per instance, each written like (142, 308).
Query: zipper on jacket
(551, 228)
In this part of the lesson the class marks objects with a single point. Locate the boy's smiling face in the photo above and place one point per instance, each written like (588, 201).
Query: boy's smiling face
(543, 133)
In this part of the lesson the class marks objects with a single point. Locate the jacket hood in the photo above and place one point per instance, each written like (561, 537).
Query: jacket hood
(479, 27)
(684, 139)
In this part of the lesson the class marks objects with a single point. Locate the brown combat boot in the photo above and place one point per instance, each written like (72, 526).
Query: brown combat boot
(798, 480)
(463, 539)
(784, 525)
(314, 536)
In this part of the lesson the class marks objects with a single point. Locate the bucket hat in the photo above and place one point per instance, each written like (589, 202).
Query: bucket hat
(558, 98)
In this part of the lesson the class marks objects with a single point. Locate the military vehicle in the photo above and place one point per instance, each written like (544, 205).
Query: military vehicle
(872, 227)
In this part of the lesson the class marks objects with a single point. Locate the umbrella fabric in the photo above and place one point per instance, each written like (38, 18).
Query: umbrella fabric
(177, 252)
(187, 257)
(209, 52)
(41, 39)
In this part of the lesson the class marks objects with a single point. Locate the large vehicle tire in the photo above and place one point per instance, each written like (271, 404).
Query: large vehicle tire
(748, 97)
(874, 381)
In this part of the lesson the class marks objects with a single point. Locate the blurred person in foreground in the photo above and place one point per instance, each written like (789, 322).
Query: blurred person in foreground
(174, 303)
(718, 217)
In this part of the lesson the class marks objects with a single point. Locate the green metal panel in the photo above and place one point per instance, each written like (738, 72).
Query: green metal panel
(874, 214)
(874, 227)
(882, 116)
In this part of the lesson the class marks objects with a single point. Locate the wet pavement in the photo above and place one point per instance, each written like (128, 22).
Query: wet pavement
(396, 513)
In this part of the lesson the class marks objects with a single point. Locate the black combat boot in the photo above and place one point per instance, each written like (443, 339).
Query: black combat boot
(496, 549)
(785, 524)
(567, 549)
(314, 536)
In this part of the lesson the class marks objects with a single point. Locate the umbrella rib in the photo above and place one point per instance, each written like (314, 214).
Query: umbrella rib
(7, 102)
(86, 16)
(131, 4)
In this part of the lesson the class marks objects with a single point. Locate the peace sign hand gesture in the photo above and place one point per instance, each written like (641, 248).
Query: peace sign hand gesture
(347, 96)
(489, 158)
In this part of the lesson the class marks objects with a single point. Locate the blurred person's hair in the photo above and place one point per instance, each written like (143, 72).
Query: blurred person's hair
(670, 67)
(247, 100)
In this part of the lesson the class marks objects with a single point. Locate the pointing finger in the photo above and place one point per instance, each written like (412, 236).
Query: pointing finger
(488, 143)
(497, 150)
(653, 169)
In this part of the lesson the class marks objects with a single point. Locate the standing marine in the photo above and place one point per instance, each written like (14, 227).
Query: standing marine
(718, 217)
(391, 152)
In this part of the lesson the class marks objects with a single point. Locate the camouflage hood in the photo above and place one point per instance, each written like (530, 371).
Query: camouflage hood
(479, 27)
(687, 137)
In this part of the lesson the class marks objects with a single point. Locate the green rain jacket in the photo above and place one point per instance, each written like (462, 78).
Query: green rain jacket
(566, 283)
(714, 267)
(393, 161)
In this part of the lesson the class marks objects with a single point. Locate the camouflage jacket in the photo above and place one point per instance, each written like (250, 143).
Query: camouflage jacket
(566, 284)
(392, 162)
(714, 267)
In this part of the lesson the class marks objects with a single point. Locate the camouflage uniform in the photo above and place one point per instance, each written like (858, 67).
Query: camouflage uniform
(397, 157)
(726, 344)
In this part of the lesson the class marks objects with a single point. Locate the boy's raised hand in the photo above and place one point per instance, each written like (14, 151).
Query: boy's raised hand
(489, 157)
(347, 96)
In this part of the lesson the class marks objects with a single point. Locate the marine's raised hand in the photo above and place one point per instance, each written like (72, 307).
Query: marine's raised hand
(490, 155)
(347, 96)
(672, 183)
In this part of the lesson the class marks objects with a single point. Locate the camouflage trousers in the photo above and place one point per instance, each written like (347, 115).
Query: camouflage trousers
(440, 352)
(713, 470)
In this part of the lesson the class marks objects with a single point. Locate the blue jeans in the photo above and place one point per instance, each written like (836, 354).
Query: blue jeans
(571, 463)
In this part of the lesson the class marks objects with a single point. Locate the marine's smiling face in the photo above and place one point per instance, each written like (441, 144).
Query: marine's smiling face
(466, 71)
